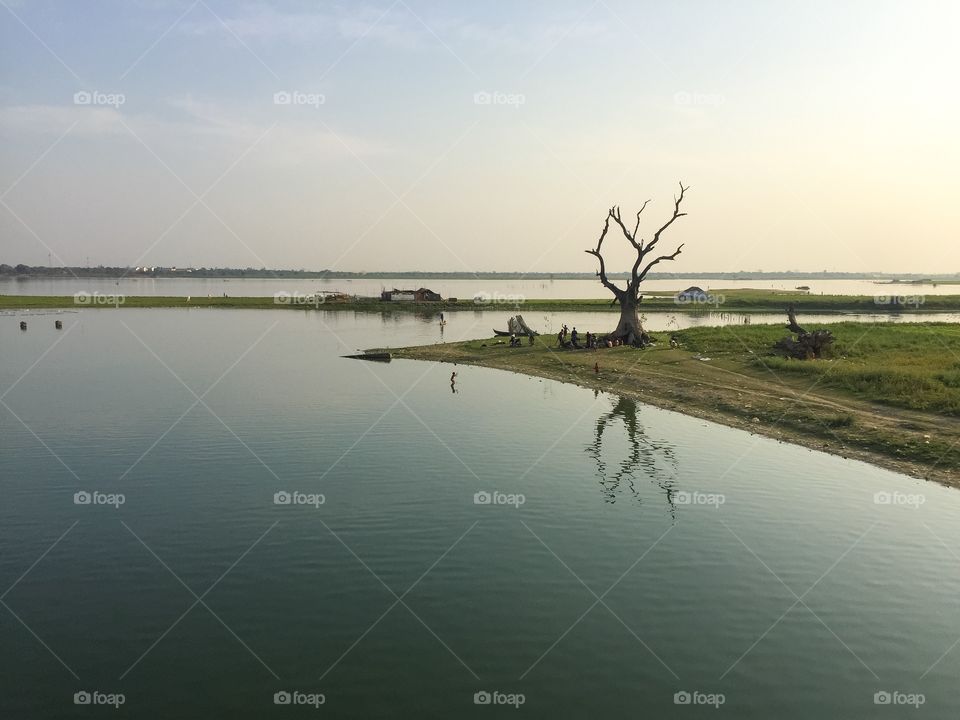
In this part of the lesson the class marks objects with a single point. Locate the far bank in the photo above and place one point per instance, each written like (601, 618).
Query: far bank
(716, 300)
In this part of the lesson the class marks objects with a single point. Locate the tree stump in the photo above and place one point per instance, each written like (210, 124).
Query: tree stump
(807, 345)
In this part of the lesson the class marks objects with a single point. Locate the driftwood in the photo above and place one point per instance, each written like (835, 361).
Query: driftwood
(518, 327)
(807, 345)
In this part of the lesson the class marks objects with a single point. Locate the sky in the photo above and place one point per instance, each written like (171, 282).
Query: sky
(476, 136)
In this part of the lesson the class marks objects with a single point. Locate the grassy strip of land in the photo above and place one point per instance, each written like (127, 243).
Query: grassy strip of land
(718, 300)
(888, 395)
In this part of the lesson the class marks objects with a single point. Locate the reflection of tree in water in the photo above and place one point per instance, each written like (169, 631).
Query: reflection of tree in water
(651, 458)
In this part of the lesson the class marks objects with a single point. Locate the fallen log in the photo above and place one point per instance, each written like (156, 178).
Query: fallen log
(807, 345)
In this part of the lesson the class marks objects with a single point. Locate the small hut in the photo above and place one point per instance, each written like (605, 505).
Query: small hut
(692, 294)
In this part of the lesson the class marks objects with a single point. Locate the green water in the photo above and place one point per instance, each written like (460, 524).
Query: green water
(784, 586)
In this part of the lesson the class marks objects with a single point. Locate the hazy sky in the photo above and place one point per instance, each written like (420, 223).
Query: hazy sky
(478, 135)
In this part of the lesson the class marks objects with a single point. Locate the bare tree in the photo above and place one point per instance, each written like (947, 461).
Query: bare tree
(655, 459)
(629, 328)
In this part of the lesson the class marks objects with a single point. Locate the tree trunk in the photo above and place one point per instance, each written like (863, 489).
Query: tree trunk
(629, 328)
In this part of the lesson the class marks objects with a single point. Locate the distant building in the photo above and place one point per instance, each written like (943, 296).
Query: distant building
(424, 295)
(398, 295)
(421, 295)
(692, 293)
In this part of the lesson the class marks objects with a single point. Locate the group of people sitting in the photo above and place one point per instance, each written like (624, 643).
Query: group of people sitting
(591, 341)
(516, 342)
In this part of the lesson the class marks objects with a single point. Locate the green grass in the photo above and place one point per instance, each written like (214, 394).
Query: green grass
(912, 366)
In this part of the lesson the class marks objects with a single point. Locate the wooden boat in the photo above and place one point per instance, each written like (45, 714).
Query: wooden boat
(375, 356)
(506, 333)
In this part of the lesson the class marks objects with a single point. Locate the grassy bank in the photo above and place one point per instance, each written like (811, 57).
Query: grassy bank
(724, 300)
(889, 395)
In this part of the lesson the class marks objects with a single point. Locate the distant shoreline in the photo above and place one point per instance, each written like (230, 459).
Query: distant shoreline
(771, 301)
(23, 272)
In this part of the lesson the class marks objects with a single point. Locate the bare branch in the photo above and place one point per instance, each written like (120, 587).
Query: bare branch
(636, 227)
(602, 273)
(606, 227)
(631, 237)
(672, 256)
(794, 326)
(668, 223)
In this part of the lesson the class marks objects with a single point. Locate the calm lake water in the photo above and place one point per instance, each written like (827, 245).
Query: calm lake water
(424, 326)
(447, 288)
(655, 558)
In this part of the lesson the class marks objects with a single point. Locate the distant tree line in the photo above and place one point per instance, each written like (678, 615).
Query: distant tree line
(103, 271)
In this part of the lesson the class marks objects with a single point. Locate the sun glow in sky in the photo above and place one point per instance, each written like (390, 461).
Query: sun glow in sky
(463, 136)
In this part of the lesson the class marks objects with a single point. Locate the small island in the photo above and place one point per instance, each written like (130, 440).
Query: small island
(887, 394)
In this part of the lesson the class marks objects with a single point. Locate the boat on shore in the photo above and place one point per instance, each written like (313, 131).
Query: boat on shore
(374, 356)
(507, 333)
